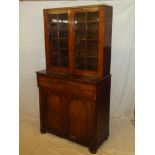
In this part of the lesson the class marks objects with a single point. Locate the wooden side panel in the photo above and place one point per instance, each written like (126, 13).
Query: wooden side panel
(103, 110)
(101, 34)
(54, 112)
(107, 40)
(46, 38)
(42, 111)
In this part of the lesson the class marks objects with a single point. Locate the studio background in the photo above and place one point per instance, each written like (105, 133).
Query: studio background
(32, 54)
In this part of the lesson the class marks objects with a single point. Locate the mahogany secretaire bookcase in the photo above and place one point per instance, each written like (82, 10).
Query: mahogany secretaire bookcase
(74, 90)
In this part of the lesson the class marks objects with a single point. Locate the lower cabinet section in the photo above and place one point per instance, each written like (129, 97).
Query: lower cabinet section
(84, 120)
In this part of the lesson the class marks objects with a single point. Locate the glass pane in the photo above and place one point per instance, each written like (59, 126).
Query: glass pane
(63, 34)
(63, 26)
(53, 34)
(80, 26)
(64, 57)
(80, 35)
(92, 26)
(54, 43)
(63, 17)
(54, 57)
(52, 22)
(92, 35)
(91, 63)
(92, 16)
(92, 45)
(80, 59)
(80, 44)
(63, 21)
(80, 17)
(63, 43)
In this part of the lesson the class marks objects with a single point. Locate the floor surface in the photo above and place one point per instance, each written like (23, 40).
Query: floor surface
(120, 142)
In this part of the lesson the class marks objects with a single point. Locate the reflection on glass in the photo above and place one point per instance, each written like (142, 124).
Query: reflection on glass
(63, 21)
(52, 22)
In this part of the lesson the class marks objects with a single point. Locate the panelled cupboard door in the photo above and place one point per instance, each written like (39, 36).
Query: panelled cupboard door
(74, 40)
(54, 112)
(80, 120)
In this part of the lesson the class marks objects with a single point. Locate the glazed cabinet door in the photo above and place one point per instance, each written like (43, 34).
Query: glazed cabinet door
(57, 40)
(88, 44)
(81, 120)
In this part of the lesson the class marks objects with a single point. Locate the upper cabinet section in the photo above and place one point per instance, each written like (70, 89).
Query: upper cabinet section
(78, 40)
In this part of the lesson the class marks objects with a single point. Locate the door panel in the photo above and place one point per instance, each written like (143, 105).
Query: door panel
(80, 115)
(54, 112)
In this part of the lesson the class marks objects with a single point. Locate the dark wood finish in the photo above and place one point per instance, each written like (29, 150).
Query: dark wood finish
(74, 90)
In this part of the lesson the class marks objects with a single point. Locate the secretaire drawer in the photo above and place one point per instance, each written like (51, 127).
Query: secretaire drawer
(67, 87)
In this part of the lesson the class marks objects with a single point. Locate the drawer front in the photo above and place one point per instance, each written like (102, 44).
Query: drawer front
(81, 89)
(67, 87)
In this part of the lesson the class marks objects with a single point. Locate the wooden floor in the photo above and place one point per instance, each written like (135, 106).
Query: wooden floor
(120, 142)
